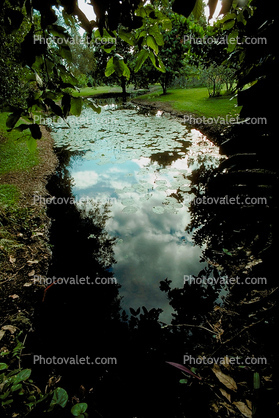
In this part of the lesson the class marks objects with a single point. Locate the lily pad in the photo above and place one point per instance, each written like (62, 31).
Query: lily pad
(130, 209)
(158, 209)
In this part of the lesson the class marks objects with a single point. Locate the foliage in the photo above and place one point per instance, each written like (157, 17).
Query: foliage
(13, 89)
(45, 52)
(18, 392)
(215, 77)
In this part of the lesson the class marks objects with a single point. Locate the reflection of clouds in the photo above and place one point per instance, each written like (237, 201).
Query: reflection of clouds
(151, 249)
(152, 246)
(85, 179)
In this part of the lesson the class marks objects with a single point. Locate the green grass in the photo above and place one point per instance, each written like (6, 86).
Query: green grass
(14, 154)
(195, 101)
(91, 91)
(9, 194)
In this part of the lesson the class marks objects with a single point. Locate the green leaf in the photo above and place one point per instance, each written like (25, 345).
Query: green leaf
(152, 44)
(109, 48)
(23, 375)
(197, 11)
(12, 119)
(166, 24)
(54, 107)
(229, 25)
(3, 366)
(142, 34)
(232, 40)
(126, 36)
(157, 62)
(229, 16)
(256, 380)
(65, 52)
(78, 409)
(122, 69)
(32, 144)
(16, 387)
(97, 109)
(110, 67)
(142, 56)
(76, 106)
(183, 381)
(155, 32)
(227, 252)
(5, 395)
(7, 402)
(60, 397)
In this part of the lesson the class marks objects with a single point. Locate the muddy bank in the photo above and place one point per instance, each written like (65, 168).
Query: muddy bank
(217, 133)
(24, 240)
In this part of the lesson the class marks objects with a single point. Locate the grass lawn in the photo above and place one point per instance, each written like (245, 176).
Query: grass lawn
(14, 156)
(195, 101)
(14, 153)
(91, 91)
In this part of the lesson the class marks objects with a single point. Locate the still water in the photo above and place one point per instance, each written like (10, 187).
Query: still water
(138, 164)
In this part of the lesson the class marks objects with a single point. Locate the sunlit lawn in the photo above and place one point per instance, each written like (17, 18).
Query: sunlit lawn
(14, 152)
(195, 101)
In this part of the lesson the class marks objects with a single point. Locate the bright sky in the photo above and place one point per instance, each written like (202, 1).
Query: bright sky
(88, 10)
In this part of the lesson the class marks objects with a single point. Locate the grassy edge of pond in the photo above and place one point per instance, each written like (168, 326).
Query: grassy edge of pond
(24, 227)
(207, 114)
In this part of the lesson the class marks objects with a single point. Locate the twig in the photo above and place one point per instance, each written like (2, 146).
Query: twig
(21, 350)
(189, 325)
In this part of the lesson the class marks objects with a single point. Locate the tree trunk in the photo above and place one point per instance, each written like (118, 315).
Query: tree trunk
(123, 86)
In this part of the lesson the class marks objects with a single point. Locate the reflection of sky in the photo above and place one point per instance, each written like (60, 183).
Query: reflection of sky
(150, 224)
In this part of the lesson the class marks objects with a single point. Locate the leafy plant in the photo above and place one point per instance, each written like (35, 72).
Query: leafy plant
(19, 394)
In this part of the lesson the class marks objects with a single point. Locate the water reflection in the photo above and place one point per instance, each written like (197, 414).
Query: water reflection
(139, 163)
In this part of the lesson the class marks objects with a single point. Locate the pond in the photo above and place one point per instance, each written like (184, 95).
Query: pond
(137, 164)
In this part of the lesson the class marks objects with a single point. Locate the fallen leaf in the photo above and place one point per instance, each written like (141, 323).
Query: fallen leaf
(226, 362)
(14, 296)
(32, 272)
(228, 407)
(183, 368)
(214, 406)
(12, 259)
(10, 328)
(32, 261)
(2, 333)
(226, 394)
(28, 284)
(249, 403)
(243, 408)
(227, 380)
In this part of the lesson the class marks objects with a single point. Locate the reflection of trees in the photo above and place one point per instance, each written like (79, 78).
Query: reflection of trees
(240, 239)
(235, 225)
(165, 159)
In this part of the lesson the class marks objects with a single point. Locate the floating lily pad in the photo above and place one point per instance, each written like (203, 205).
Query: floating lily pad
(128, 202)
(130, 209)
(158, 209)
